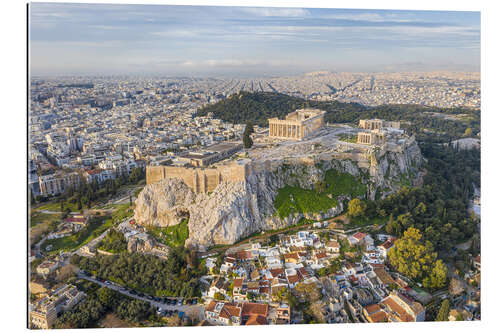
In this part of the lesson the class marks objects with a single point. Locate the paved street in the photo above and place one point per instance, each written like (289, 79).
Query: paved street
(155, 304)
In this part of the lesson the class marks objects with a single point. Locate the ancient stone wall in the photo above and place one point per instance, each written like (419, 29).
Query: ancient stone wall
(200, 180)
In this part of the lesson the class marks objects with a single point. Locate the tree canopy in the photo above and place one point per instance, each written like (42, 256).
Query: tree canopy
(417, 260)
(147, 273)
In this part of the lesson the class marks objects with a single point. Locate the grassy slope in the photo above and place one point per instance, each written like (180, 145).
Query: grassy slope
(172, 236)
(293, 199)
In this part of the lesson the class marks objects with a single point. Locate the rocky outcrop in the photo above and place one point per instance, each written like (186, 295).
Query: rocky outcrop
(235, 210)
(140, 245)
(163, 203)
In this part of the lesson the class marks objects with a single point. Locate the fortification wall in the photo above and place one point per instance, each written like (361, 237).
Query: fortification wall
(198, 179)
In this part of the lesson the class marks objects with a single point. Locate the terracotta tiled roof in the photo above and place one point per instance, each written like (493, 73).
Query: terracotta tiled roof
(229, 311)
(359, 235)
(372, 308)
(264, 290)
(256, 320)
(291, 256)
(249, 309)
(383, 276)
(244, 255)
(378, 317)
(303, 272)
(398, 309)
(321, 255)
(238, 283)
(211, 306)
(333, 244)
(387, 244)
(276, 272)
(293, 279)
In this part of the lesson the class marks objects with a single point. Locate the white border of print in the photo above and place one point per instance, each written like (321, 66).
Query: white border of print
(13, 87)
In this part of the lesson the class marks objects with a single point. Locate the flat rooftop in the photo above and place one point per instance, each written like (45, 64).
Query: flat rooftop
(220, 147)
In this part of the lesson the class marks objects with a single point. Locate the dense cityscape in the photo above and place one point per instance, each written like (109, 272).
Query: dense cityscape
(91, 140)
(112, 122)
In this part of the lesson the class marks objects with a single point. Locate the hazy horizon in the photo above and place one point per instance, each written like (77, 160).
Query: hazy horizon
(195, 41)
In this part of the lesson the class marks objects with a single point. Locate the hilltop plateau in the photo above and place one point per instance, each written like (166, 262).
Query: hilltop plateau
(285, 182)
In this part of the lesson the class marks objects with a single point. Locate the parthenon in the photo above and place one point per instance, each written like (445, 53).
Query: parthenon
(297, 125)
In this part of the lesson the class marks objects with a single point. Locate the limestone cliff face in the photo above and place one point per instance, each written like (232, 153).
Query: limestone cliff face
(235, 210)
(163, 203)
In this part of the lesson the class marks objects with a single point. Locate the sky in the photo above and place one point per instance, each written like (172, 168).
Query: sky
(101, 39)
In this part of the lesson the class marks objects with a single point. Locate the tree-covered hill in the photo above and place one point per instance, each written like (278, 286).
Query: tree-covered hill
(259, 106)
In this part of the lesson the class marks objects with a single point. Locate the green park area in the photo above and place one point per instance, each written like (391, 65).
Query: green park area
(37, 217)
(294, 199)
(97, 225)
(172, 236)
(56, 207)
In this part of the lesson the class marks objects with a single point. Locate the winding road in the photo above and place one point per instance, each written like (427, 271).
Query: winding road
(155, 304)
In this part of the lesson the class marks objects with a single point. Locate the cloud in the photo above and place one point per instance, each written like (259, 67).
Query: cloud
(277, 12)
(367, 17)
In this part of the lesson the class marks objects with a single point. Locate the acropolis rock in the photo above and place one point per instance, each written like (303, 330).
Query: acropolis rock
(224, 207)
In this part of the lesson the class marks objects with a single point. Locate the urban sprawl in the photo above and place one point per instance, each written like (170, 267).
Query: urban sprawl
(93, 140)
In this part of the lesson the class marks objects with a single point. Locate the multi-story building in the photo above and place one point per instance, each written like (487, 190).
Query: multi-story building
(44, 312)
(58, 182)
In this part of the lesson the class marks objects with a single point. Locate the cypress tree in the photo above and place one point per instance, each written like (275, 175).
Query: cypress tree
(444, 311)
